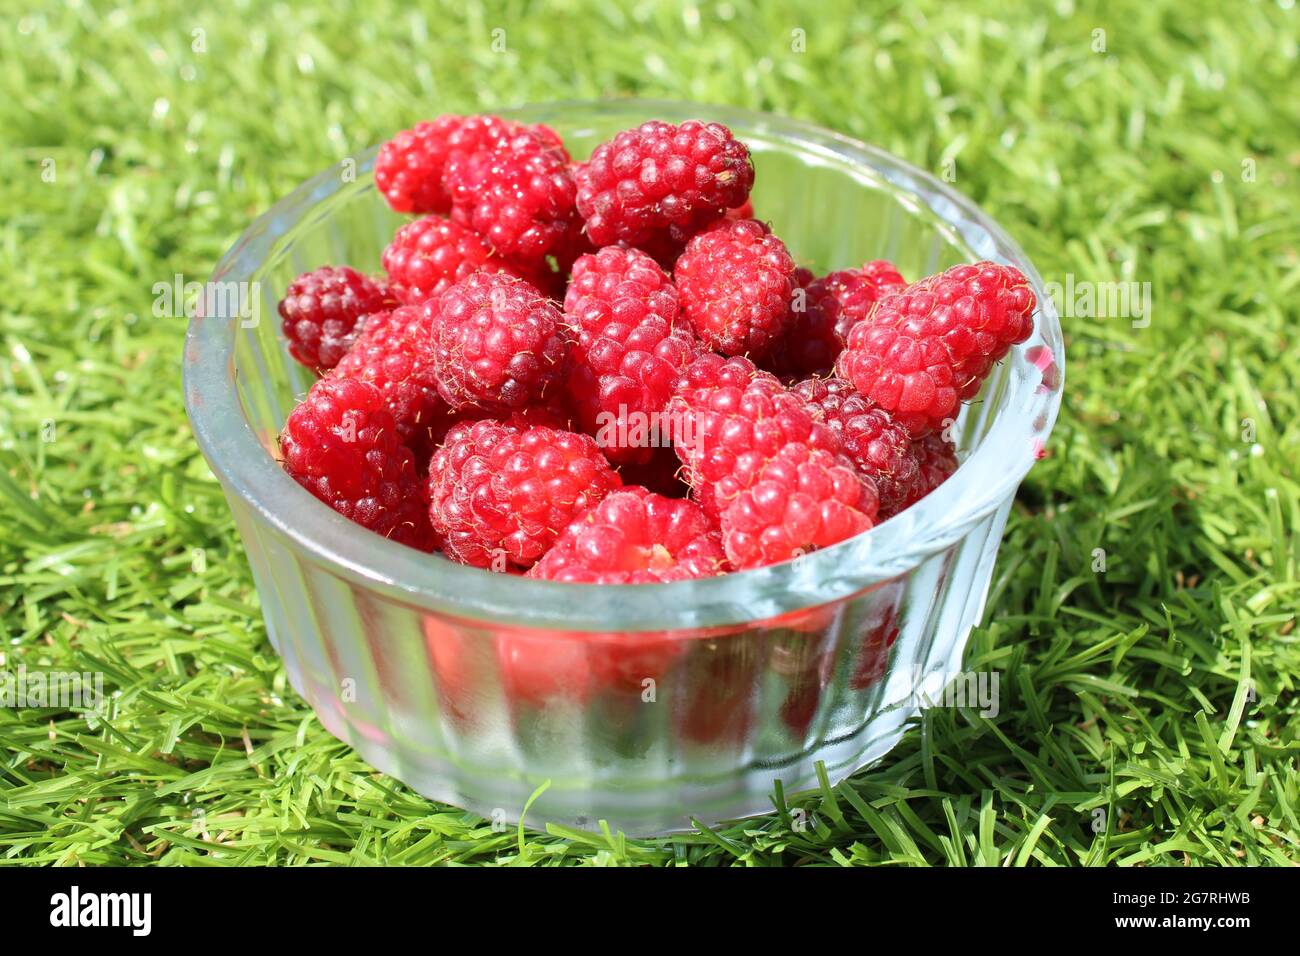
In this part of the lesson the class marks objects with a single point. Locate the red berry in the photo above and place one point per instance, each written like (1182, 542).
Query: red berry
(519, 195)
(802, 499)
(805, 662)
(501, 495)
(496, 341)
(410, 168)
(717, 708)
(454, 653)
(392, 353)
(800, 705)
(926, 348)
(936, 460)
(872, 655)
(551, 413)
(757, 455)
(822, 316)
(628, 347)
(807, 345)
(878, 446)
(340, 444)
(744, 211)
(481, 132)
(320, 311)
(430, 254)
(735, 282)
(659, 184)
(850, 294)
(538, 668)
(728, 418)
(706, 401)
(635, 537)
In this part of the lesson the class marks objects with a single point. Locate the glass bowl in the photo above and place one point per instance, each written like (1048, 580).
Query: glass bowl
(645, 706)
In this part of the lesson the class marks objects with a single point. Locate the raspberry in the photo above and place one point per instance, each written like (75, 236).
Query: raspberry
(744, 211)
(657, 185)
(410, 169)
(551, 413)
(340, 444)
(831, 305)
(757, 456)
(735, 281)
(519, 195)
(496, 342)
(804, 661)
(878, 446)
(482, 132)
(635, 537)
(849, 294)
(880, 634)
(502, 494)
(718, 708)
(451, 657)
(803, 498)
(628, 347)
(392, 353)
(321, 309)
(936, 460)
(538, 667)
(926, 348)
(705, 412)
(807, 346)
(430, 254)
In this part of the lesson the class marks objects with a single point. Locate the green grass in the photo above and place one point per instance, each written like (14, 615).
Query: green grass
(1162, 690)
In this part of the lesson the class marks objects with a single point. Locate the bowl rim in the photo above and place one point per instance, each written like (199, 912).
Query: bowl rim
(984, 481)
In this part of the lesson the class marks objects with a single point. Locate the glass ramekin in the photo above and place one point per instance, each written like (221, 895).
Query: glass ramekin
(645, 706)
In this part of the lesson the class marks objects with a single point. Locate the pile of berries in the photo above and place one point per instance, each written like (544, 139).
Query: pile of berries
(611, 372)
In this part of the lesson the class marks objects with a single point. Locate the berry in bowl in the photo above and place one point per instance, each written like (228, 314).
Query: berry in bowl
(622, 460)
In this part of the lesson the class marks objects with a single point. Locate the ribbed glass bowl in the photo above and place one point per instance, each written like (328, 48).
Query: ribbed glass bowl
(641, 705)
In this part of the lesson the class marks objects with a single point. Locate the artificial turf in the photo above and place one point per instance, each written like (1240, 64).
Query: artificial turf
(139, 142)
